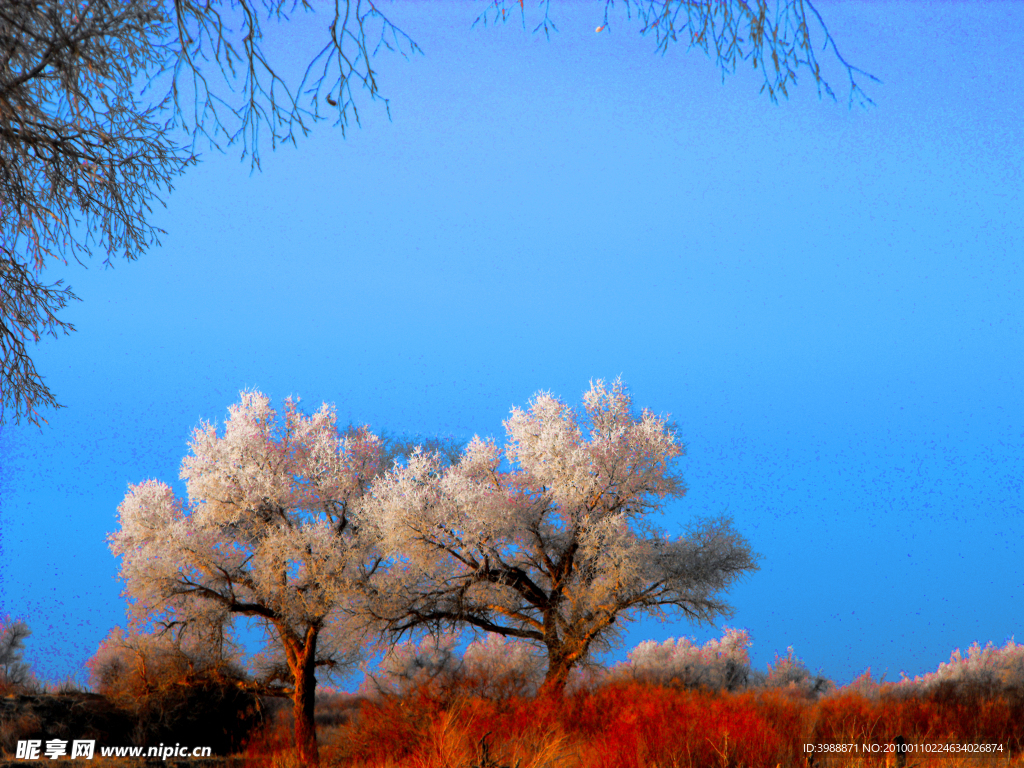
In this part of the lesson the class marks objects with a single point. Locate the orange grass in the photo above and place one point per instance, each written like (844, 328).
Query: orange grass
(633, 725)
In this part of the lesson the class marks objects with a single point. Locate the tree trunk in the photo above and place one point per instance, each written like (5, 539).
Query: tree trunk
(304, 700)
(557, 675)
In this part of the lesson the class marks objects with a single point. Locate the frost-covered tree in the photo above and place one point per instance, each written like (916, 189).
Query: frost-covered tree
(267, 533)
(791, 675)
(717, 665)
(548, 539)
(982, 673)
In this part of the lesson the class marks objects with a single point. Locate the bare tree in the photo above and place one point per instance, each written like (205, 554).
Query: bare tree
(15, 674)
(81, 159)
(555, 549)
(102, 103)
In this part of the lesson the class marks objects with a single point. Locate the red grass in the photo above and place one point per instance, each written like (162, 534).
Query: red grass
(850, 715)
(633, 725)
(276, 737)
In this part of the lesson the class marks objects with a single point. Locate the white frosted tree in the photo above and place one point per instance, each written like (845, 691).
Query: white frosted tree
(791, 675)
(548, 539)
(718, 664)
(267, 533)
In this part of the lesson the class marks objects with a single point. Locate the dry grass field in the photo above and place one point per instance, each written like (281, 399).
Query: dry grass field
(622, 724)
(645, 726)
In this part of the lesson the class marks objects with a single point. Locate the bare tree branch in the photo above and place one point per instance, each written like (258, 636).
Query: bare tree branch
(778, 38)
(103, 104)
(86, 150)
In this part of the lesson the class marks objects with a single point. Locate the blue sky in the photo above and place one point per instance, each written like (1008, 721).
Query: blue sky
(828, 302)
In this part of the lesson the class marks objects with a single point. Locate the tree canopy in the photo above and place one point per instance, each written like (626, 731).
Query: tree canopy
(267, 533)
(548, 539)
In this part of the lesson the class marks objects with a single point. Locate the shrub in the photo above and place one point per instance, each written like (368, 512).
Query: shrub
(432, 665)
(864, 685)
(494, 667)
(717, 665)
(176, 689)
(984, 673)
(498, 668)
(15, 728)
(791, 675)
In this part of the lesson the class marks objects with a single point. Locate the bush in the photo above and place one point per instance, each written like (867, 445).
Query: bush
(64, 716)
(15, 727)
(864, 685)
(177, 690)
(983, 674)
(494, 667)
(498, 668)
(432, 665)
(791, 676)
(718, 665)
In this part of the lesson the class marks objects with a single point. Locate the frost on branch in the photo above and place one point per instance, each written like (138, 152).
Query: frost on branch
(719, 665)
(547, 539)
(792, 676)
(268, 532)
(981, 674)
(492, 667)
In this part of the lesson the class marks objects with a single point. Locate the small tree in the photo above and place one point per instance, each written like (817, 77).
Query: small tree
(548, 540)
(792, 676)
(15, 674)
(267, 533)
